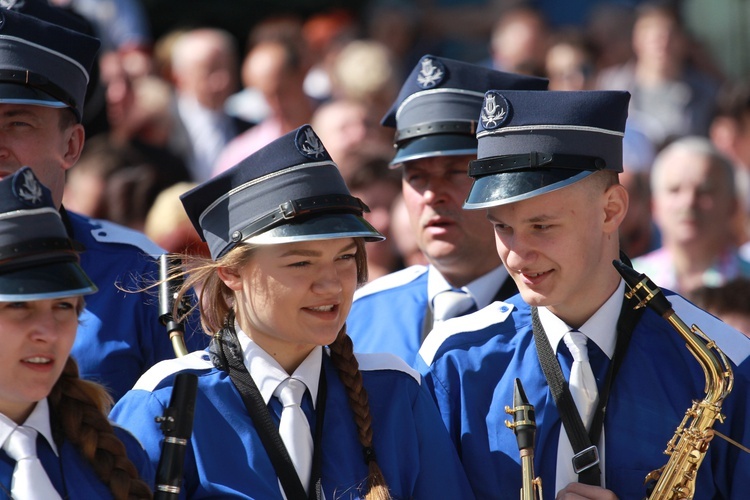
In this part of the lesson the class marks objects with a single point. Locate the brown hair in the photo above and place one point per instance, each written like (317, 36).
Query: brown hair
(78, 410)
(216, 301)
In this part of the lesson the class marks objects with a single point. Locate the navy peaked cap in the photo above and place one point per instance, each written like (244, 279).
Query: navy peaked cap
(436, 111)
(531, 143)
(290, 190)
(42, 63)
(37, 258)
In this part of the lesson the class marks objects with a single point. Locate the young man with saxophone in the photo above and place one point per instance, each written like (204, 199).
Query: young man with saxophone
(546, 174)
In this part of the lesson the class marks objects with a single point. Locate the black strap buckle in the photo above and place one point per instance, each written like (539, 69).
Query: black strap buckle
(585, 459)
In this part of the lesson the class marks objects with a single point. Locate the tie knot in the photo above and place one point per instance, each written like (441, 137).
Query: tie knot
(21, 443)
(576, 342)
(290, 392)
(451, 303)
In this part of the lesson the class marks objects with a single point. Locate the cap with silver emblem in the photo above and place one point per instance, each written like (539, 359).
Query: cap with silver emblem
(531, 143)
(37, 258)
(436, 111)
(288, 191)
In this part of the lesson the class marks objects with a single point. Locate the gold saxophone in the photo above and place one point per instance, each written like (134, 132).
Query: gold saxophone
(524, 425)
(688, 446)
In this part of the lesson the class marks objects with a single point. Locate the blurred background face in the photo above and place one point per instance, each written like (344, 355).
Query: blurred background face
(658, 39)
(692, 199)
(206, 68)
(568, 68)
(452, 238)
(267, 69)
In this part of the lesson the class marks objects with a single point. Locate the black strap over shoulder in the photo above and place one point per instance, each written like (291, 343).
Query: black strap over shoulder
(227, 356)
(586, 454)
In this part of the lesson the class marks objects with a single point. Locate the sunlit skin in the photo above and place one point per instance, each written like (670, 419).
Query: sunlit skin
(37, 337)
(292, 297)
(580, 491)
(559, 246)
(456, 241)
(31, 136)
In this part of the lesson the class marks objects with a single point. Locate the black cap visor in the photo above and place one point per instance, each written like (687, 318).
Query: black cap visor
(509, 187)
(45, 281)
(12, 93)
(435, 145)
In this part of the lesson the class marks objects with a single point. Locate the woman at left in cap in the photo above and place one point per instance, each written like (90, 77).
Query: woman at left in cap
(287, 244)
(41, 295)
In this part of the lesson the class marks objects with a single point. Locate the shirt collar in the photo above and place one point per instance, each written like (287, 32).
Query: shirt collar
(268, 373)
(38, 420)
(482, 289)
(601, 327)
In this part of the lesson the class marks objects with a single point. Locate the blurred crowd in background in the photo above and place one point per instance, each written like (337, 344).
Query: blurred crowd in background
(185, 90)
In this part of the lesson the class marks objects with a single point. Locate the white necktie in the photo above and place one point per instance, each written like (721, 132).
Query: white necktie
(30, 480)
(582, 382)
(295, 429)
(586, 396)
(450, 304)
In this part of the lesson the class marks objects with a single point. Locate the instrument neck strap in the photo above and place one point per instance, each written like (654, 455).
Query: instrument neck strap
(232, 360)
(580, 440)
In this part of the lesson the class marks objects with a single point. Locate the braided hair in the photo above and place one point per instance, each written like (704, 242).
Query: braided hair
(342, 356)
(78, 410)
(217, 302)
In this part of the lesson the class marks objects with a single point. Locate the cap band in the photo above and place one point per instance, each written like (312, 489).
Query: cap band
(527, 161)
(39, 82)
(297, 208)
(440, 127)
(30, 247)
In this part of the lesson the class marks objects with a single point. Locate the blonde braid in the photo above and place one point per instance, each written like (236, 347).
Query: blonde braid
(79, 408)
(342, 356)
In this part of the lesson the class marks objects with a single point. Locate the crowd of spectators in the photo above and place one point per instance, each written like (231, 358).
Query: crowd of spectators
(176, 103)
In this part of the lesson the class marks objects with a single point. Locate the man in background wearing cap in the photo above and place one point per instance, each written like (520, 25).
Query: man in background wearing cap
(43, 76)
(435, 116)
(546, 174)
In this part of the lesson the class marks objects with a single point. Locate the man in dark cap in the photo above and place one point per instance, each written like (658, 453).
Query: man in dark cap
(44, 70)
(435, 116)
(547, 175)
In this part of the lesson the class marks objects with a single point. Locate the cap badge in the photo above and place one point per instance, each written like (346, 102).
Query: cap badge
(431, 73)
(309, 144)
(495, 110)
(27, 189)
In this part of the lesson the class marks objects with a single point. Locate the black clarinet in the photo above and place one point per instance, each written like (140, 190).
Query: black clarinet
(177, 422)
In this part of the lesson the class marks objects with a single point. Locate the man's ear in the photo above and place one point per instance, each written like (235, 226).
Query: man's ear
(74, 145)
(230, 277)
(615, 207)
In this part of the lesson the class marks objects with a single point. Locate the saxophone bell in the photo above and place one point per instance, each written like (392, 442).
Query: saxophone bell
(524, 426)
(688, 447)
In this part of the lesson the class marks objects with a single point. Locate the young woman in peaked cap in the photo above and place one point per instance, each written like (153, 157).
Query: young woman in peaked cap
(287, 245)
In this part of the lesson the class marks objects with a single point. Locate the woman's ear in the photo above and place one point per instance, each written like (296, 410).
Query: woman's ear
(230, 277)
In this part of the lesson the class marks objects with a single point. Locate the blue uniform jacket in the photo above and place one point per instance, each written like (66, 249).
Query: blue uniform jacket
(119, 334)
(225, 457)
(470, 365)
(387, 314)
(71, 474)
